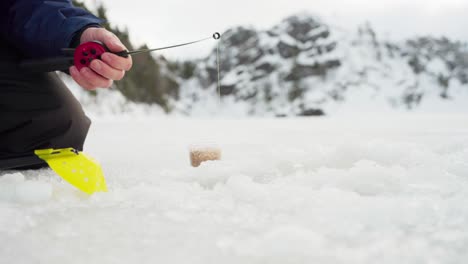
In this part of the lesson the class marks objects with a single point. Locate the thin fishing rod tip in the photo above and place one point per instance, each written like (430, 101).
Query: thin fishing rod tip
(216, 35)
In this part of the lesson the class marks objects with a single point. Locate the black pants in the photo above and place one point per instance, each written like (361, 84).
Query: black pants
(37, 111)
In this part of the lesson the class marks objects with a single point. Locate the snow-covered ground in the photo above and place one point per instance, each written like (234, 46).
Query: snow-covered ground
(369, 189)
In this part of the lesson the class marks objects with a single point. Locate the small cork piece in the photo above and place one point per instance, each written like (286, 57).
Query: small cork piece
(198, 155)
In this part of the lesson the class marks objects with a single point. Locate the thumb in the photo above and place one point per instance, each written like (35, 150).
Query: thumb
(110, 40)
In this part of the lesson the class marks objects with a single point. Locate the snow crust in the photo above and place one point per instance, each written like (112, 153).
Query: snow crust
(368, 189)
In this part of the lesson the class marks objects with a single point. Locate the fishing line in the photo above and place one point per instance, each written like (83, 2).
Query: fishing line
(219, 83)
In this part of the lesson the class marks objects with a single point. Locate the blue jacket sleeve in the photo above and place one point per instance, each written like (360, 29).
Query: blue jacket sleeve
(41, 28)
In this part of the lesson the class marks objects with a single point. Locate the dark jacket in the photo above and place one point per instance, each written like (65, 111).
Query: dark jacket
(41, 28)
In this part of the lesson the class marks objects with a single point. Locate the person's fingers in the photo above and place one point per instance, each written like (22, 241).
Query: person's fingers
(104, 36)
(95, 79)
(117, 62)
(80, 79)
(110, 40)
(106, 71)
(114, 45)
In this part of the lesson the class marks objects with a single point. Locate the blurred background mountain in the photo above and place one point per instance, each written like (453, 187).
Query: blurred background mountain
(302, 66)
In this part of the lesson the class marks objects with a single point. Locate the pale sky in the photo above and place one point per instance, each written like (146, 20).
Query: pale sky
(160, 23)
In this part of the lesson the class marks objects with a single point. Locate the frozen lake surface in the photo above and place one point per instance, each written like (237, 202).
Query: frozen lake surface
(388, 189)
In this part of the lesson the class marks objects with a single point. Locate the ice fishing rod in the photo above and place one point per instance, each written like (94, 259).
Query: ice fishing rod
(85, 53)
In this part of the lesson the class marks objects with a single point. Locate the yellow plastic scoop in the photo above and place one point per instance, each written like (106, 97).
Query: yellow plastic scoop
(75, 167)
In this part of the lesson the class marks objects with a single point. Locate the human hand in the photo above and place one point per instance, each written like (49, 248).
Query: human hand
(110, 67)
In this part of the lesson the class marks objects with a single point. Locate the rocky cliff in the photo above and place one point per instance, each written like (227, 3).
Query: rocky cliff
(304, 66)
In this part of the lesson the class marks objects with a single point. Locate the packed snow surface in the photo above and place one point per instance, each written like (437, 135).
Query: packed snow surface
(373, 189)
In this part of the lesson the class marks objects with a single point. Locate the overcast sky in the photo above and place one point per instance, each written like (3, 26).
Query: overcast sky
(159, 23)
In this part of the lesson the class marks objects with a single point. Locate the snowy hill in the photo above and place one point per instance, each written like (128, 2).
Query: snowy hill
(304, 66)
